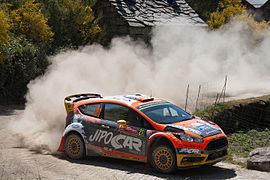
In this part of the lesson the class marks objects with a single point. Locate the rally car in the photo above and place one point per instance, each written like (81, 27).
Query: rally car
(140, 128)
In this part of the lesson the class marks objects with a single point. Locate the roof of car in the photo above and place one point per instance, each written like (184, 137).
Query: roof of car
(128, 100)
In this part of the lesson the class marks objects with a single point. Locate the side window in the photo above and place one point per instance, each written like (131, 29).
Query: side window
(115, 112)
(147, 125)
(135, 119)
(91, 109)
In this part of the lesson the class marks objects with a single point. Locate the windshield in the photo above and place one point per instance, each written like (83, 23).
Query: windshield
(164, 112)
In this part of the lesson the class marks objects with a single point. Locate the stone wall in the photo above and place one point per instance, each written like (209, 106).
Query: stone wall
(254, 115)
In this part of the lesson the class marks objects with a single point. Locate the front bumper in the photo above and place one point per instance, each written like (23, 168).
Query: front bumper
(198, 158)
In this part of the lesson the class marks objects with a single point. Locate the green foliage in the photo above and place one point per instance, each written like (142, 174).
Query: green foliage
(14, 3)
(211, 110)
(227, 10)
(4, 28)
(29, 20)
(23, 62)
(72, 21)
(32, 29)
(240, 144)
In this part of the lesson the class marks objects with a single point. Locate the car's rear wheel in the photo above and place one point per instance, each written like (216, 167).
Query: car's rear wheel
(74, 147)
(163, 159)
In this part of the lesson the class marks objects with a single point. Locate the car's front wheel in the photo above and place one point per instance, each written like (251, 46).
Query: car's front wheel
(163, 159)
(74, 147)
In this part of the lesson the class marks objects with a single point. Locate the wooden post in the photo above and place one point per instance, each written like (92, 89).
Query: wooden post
(225, 86)
(222, 94)
(216, 98)
(197, 100)
(187, 97)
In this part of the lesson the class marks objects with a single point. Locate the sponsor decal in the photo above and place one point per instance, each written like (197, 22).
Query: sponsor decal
(141, 132)
(203, 130)
(75, 126)
(188, 151)
(207, 130)
(116, 140)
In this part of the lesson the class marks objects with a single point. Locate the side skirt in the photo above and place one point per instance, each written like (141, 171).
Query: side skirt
(93, 150)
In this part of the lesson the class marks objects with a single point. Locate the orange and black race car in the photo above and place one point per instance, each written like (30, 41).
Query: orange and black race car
(140, 128)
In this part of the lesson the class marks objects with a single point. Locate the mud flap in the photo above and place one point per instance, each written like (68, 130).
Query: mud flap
(61, 147)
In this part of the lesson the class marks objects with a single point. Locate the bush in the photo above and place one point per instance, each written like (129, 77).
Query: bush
(4, 28)
(22, 62)
(29, 21)
(32, 29)
(210, 111)
(227, 10)
(72, 22)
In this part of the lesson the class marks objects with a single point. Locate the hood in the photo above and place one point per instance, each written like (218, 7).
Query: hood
(196, 126)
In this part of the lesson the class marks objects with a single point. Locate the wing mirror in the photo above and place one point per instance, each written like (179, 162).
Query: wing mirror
(122, 123)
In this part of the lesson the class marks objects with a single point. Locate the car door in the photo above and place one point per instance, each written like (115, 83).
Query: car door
(139, 127)
(116, 140)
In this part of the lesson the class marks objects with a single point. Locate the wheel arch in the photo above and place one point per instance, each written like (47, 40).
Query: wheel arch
(159, 140)
(73, 132)
(77, 129)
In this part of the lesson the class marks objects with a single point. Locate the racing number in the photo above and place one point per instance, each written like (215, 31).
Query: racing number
(141, 132)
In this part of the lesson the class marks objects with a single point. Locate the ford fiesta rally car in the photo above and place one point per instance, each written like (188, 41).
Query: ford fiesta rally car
(140, 128)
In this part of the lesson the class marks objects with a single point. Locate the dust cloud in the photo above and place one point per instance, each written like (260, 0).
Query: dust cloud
(178, 56)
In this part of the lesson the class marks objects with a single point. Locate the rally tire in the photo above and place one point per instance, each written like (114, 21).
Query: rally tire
(163, 159)
(74, 147)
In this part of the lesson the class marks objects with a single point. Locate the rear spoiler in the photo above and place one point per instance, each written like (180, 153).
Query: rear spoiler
(70, 100)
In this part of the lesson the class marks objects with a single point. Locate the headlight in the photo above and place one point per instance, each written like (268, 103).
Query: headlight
(188, 138)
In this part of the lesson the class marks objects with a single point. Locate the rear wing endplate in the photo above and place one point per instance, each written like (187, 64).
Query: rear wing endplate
(70, 100)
